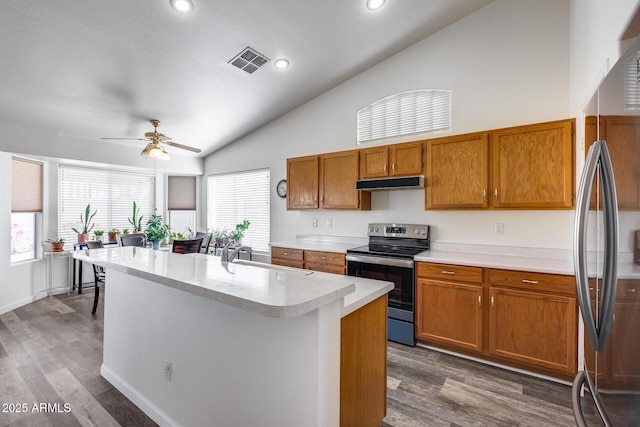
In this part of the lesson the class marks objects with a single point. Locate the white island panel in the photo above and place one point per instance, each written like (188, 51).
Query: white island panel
(230, 366)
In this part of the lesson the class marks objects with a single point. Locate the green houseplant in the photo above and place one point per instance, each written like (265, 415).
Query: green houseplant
(83, 232)
(98, 234)
(136, 219)
(156, 230)
(113, 234)
(57, 245)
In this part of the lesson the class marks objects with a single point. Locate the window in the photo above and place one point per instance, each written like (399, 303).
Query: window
(234, 197)
(26, 202)
(405, 114)
(110, 193)
(181, 203)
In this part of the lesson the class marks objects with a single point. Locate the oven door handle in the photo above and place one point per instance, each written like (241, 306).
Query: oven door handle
(392, 262)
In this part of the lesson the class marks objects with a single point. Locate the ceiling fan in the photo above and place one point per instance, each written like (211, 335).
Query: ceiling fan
(154, 149)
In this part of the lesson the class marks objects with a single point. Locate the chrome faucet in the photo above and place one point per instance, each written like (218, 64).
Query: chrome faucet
(229, 258)
(237, 250)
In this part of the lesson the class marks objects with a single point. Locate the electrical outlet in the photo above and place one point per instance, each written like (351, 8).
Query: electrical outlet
(329, 223)
(166, 366)
(314, 222)
(499, 228)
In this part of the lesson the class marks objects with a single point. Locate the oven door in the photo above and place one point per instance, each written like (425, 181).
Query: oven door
(401, 298)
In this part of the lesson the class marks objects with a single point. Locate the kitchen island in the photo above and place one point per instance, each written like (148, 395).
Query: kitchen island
(194, 341)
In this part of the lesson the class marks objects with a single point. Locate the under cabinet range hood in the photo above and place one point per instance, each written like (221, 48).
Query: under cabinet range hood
(390, 183)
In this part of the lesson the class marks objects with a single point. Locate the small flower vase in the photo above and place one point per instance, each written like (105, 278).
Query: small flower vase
(155, 245)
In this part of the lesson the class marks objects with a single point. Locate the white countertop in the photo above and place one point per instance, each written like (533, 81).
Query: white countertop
(259, 288)
(508, 262)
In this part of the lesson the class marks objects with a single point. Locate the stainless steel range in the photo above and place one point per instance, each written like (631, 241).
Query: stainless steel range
(389, 256)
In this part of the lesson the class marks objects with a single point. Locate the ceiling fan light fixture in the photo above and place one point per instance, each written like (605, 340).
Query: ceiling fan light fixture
(164, 155)
(181, 5)
(374, 4)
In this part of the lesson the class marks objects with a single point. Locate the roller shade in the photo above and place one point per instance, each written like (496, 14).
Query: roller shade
(26, 185)
(181, 193)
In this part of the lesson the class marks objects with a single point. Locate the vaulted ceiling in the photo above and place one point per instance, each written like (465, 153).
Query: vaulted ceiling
(92, 69)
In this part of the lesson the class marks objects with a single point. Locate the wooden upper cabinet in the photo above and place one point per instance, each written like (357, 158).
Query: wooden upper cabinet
(302, 182)
(374, 163)
(338, 174)
(533, 166)
(457, 173)
(391, 160)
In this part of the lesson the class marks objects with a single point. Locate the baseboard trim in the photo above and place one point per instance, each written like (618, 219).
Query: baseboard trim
(155, 413)
(18, 304)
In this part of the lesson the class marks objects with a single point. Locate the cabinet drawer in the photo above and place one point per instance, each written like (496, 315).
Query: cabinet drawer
(450, 272)
(628, 290)
(287, 263)
(316, 257)
(325, 268)
(286, 253)
(534, 281)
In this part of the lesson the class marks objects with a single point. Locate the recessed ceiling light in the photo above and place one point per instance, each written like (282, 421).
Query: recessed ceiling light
(281, 63)
(374, 4)
(181, 5)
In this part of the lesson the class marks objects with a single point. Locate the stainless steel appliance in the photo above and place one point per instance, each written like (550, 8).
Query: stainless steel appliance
(607, 391)
(389, 256)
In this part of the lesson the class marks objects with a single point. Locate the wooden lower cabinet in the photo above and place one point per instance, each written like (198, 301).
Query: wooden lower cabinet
(327, 262)
(516, 318)
(287, 257)
(533, 328)
(449, 313)
(363, 365)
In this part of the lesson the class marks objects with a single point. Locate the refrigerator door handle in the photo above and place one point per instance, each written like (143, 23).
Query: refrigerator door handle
(580, 245)
(610, 268)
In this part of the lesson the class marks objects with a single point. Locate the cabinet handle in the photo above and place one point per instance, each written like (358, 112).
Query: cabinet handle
(285, 253)
(532, 282)
(323, 257)
(493, 302)
(590, 289)
(631, 290)
(495, 193)
(484, 194)
(393, 167)
(448, 272)
(479, 301)
(385, 168)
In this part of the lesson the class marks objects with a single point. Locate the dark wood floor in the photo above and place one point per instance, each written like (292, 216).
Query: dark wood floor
(51, 351)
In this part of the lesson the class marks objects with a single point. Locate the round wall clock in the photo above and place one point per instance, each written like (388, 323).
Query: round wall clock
(281, 188)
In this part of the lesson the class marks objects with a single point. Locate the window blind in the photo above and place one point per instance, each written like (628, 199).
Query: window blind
(405, 113)
(234, 197)
(632, 83)
(181, 193)
(110, 193)
(26, 185)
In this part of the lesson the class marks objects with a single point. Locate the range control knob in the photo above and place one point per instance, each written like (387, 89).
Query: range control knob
(375, 229)
(370, 229)
(423, 232)
(417, 231)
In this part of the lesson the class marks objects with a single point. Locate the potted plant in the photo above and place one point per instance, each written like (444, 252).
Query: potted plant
(57, 245)
(83, 232)
(125, 231)
(136, 220)
(238, 233)
(156, 230)
(113, 234)
(97, 234)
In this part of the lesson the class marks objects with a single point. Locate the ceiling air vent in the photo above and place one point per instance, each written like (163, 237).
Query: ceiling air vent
(249, 60)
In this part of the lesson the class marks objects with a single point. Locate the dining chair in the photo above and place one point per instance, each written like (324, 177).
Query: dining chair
(206, 241)
(98, 274)
(191, 246)
(132, 240)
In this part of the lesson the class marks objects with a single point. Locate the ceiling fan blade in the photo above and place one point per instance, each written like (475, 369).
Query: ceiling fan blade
(128, 139)
(184, 147)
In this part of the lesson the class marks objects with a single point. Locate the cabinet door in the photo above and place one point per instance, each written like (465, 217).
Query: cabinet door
(328, 262)
(533, 166)
(458, 172)
(374, 163)
(405, 159)
(449, 313)
(533, 328)
(622, 135)
(625, 346)
(338, 175)
(302, 183)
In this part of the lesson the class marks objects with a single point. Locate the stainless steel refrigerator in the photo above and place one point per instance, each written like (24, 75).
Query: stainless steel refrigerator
(607, 251)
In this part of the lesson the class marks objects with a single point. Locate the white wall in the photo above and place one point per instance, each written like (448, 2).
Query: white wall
(507, 64)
